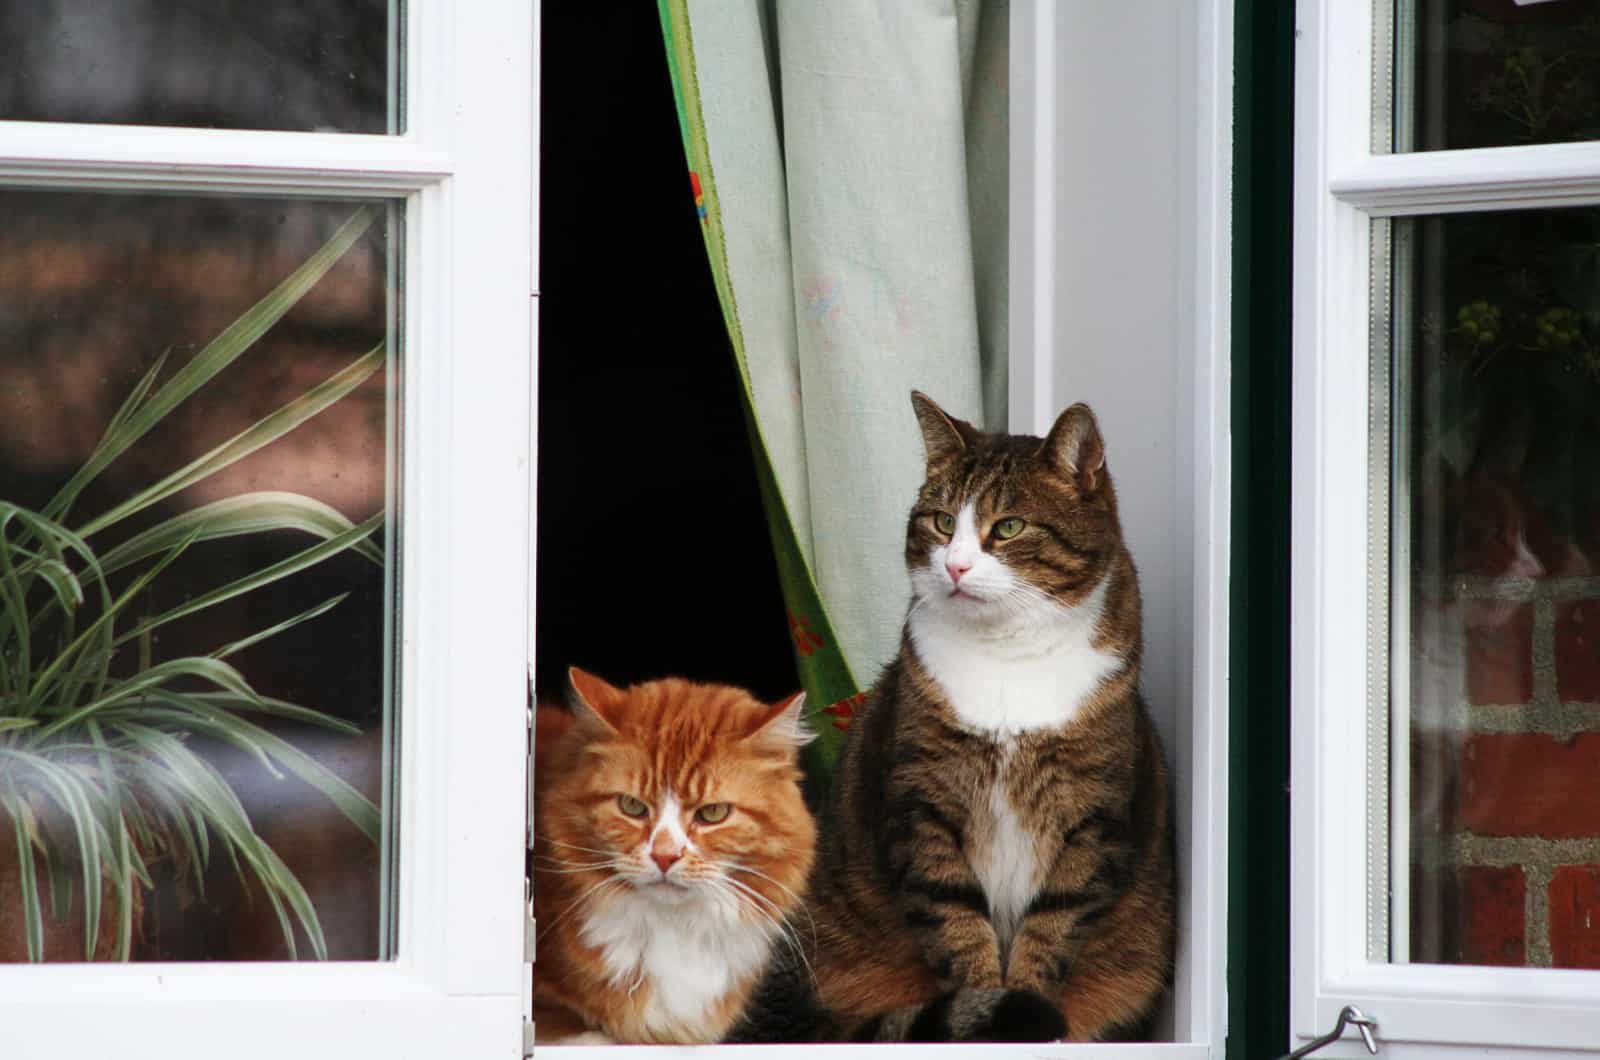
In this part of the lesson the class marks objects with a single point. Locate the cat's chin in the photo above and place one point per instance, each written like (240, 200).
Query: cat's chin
(952, 600)
(666, 892)
(966, 608)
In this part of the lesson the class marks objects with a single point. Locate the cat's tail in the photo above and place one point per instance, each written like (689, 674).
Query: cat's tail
(972, 1014)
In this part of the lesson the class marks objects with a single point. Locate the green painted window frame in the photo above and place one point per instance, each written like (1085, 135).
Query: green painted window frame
(1258, 723)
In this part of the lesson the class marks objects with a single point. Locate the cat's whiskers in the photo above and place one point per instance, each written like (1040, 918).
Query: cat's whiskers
(743, 897)
(1024, 593)
(745, 888)
(751, 899)
(574, 846)
(574, 868)
(799, 902)
(588, 895)
(562, 863)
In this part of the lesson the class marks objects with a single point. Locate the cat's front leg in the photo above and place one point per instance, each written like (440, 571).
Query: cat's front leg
(1084, 882)
(940, 895)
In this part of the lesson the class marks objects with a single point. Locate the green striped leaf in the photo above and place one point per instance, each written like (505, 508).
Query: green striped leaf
(259, 435)
(259, 742)
(276, 708)
(249, 513)
(272, 631)
(100, 629)
(217, 355)
(211, 795)
(265, 576)
(32, 912)
(213, 671)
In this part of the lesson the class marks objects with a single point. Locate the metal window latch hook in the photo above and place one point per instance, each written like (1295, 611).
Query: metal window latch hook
(1349, 1016)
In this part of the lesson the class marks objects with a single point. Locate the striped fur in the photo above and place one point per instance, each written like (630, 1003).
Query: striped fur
(991, 843)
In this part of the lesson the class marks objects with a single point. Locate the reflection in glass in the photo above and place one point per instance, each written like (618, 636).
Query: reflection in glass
(303, 65)
(1494, 73)
(195, 538)
(1498, 500)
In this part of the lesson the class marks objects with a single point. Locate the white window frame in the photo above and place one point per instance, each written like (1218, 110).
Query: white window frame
(464, 171)
(1341, 185)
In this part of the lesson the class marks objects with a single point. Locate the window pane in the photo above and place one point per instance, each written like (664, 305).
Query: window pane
(1497, 579)
(306, 65)
(1493, 73)
(209, 721)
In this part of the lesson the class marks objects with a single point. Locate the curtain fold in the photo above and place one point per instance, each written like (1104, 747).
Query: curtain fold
(849, 158)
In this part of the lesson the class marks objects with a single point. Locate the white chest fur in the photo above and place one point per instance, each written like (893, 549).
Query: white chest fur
(690, 954)
(1005, 863)
(1033, 672)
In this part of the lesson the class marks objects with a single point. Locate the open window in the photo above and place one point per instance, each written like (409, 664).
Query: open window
(1444, 857)
(266, 350)
(1119, 155)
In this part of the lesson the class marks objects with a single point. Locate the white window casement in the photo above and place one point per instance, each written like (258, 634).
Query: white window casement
(457, 179)
(1383, 198)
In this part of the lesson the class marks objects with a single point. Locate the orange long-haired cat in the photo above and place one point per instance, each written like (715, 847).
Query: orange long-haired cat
(671, 844)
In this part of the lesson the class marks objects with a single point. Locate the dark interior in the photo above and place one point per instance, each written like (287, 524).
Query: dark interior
(653, 556)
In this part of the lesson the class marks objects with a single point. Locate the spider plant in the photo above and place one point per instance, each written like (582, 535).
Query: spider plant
(97, 772)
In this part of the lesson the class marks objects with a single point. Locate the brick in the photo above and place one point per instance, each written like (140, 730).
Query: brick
(1494, 915)
(1578, 651)
(1499, 647)
(1575, 916)
(1469, 915)
(1529, 784)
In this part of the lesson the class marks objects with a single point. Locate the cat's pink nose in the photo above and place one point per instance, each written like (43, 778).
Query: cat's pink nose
(957, 567)
(665, 861)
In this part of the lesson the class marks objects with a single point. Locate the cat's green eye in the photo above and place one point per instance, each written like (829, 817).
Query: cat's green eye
(944, 522)
(633, 807)
(1008, 527)
(713, 813)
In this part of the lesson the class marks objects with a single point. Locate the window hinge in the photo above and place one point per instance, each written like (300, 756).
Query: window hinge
(530, 926)
(1349, 1016)
(529, 802)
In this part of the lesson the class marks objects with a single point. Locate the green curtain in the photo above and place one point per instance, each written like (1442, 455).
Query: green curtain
(849, 162)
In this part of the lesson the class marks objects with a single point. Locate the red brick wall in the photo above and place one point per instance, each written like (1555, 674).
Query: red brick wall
(1506, 826)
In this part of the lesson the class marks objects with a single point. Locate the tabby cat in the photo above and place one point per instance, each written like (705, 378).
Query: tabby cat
(997, 855)
(671, 844)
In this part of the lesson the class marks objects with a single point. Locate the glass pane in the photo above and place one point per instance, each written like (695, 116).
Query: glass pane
(305, 65)
(1497, 586)
(197, 404)
(1493, 73)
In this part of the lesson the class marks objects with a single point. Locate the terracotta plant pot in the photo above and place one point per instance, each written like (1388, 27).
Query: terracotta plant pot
(64, 938)
(338, 865)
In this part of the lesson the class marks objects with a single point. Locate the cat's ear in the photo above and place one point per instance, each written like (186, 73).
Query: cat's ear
(943, 436)
(783, 726)
(1075, 447)
(593, 700)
